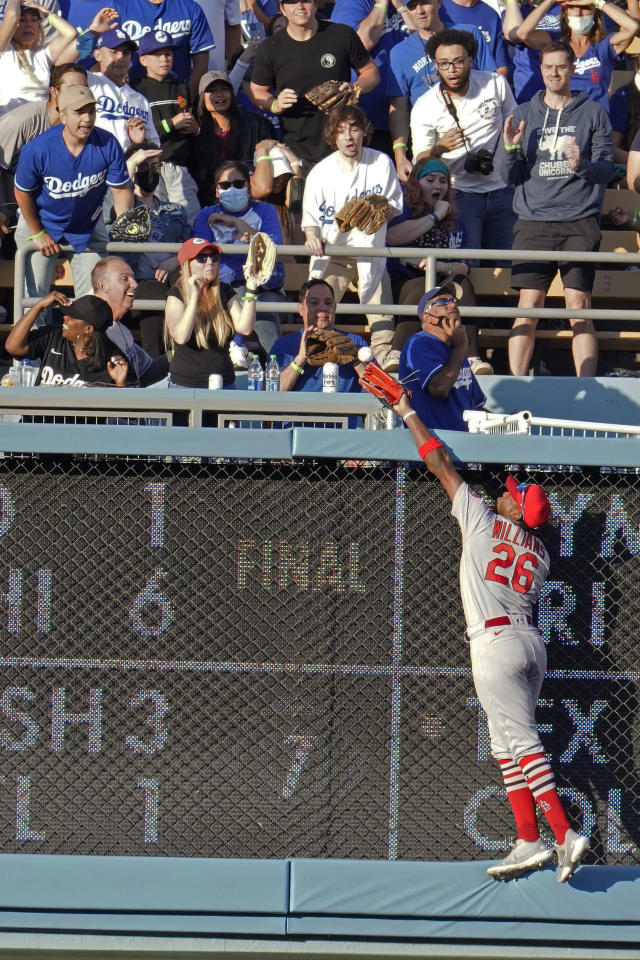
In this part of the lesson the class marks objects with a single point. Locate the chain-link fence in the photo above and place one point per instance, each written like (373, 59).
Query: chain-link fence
(266, 660)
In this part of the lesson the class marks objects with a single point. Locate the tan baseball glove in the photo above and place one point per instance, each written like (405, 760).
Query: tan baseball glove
(330, 346)
(328, 95)
(363, 213)
(261, 259)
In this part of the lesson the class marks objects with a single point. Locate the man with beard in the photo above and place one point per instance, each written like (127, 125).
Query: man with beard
(412, 72)
(461, 120)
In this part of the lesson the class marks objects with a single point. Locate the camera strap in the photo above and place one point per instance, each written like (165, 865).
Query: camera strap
(451, 109)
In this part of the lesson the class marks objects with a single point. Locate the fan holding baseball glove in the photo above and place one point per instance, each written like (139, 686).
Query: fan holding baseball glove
(303, 355)
(348, 199)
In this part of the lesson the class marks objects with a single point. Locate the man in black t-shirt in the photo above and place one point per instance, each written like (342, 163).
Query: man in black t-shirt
(294, 60)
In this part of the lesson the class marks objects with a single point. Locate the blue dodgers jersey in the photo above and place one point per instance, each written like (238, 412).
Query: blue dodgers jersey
(412, 71)
(421, 358)
(486, 20)
(184, 20)
(68, 191)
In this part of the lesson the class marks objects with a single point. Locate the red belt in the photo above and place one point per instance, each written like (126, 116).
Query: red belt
(506, 621)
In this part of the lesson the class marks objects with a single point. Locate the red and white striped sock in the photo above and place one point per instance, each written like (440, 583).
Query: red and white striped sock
(521, 800)
(542, 784)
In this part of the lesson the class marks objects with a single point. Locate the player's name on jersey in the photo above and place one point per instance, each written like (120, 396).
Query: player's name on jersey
(281, 565)
(511, 533)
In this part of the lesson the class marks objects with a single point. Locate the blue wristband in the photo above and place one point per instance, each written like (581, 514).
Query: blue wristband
(86, 43)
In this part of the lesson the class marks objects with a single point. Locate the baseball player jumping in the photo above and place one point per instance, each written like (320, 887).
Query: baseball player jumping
(502, 569)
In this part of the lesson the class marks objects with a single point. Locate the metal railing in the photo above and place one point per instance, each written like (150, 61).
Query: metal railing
(397, 253)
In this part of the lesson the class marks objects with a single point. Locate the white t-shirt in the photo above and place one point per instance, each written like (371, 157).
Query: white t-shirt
(502, 567)
(481, 115)
(217, 12)
(328, 187)
(19, 86)
(117, 105)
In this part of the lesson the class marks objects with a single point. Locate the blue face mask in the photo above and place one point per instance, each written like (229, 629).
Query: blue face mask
(235, 198)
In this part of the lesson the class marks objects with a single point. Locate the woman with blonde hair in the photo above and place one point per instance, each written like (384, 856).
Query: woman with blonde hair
(201, 317)
(25, 58)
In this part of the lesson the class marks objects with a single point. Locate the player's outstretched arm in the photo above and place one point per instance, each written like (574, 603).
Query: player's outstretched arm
(434, 454)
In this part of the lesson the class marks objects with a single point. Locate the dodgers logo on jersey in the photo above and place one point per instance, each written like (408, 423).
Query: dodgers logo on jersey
(110, 109)
(175, 28)
(63, 189)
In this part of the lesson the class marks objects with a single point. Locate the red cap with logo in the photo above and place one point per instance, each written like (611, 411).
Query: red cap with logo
(532, 500)
(190, 249)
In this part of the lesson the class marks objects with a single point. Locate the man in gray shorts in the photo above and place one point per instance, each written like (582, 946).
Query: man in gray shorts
(502, 569)
(558, 153)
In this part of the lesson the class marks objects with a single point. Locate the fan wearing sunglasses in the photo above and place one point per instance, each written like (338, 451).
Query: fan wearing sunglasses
(201, 317)
(234, 219)
(434, 362)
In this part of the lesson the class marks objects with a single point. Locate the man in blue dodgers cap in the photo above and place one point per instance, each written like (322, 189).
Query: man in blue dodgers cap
(434, 364)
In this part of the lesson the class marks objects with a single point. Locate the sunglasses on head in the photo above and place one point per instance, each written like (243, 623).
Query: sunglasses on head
(442, 301)
(203, 257)
(225, 184)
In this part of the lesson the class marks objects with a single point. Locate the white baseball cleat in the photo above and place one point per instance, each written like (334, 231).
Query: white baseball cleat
(570, 855)
(525, 856)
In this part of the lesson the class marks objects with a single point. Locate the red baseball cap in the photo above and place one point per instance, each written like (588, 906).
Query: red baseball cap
(191, 248)
(532, 500)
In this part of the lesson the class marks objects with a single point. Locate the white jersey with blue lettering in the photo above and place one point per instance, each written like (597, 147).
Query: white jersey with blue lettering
(115, 106)
(503, 565)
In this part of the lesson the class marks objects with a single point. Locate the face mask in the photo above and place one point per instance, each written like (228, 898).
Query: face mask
(147, 180)
(581, 25)
(235, 198)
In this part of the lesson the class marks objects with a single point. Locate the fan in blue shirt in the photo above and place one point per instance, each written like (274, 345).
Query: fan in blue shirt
(434, 363)
(485, 18)
(60, 183)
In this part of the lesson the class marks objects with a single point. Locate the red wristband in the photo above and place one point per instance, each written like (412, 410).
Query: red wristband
(428, 446)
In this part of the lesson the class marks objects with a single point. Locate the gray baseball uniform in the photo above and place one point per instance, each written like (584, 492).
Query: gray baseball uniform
(502, 569)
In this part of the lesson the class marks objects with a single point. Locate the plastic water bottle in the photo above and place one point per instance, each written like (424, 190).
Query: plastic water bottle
(255, 374)
(273, 373)
(27, 374)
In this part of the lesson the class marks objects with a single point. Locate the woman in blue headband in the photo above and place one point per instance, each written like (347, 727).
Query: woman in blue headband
(429, 220)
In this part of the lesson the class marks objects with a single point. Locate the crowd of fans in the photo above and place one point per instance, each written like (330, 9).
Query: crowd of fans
(483, 125)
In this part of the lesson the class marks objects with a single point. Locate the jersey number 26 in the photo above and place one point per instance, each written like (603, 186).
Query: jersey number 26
(522, 577)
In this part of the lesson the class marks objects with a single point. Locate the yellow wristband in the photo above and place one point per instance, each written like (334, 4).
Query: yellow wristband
(265, 157)
(274, 104)
(381, 6)
(36, 235)
(399, 143)
(296, 367)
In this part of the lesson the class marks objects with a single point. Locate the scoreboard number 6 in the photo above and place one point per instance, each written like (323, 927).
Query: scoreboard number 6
(522, 577)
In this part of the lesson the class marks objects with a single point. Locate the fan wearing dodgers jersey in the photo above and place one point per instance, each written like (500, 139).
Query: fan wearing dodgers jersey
(352, 170)
(121, 110)
(60, 184)
(503, 566)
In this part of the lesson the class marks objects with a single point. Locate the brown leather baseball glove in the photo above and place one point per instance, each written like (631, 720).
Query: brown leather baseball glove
(330, 346)
(328, 95)
(363, 213)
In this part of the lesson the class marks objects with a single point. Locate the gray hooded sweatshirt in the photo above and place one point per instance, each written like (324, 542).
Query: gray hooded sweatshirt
(546, 186)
